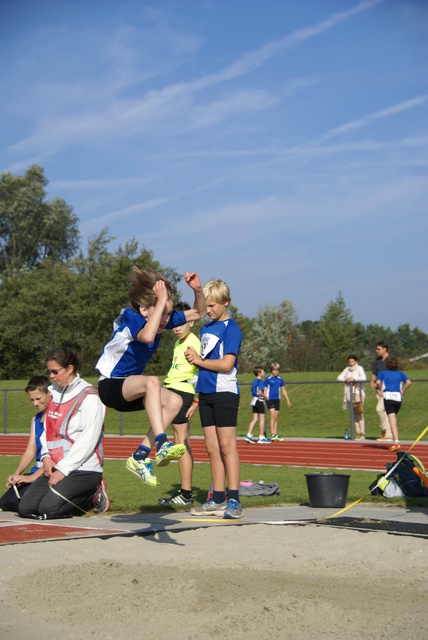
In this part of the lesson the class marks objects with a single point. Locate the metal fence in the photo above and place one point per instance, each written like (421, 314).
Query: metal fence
(241, 384)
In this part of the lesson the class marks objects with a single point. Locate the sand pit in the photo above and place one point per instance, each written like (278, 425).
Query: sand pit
(256, 581)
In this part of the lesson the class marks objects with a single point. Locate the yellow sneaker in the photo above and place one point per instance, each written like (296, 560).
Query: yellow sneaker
(143, 469)
(168, 452)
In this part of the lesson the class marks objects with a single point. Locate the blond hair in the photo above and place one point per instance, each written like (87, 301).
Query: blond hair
(141, 292)
(217, 290)
(274, 366)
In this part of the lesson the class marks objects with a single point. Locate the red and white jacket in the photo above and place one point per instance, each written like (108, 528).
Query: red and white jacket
(74, 428)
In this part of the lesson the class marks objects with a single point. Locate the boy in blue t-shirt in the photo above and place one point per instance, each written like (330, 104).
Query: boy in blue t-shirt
(219, 400)
(258, 402)
(390, 384)
(18, 482)
(274, 385)
(137, 333)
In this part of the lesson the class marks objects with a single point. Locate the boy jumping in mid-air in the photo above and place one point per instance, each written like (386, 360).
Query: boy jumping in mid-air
(135, 339)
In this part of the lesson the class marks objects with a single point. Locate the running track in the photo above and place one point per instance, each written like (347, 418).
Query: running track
(323, 454)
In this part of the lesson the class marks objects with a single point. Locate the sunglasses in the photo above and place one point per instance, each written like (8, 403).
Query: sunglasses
(55, 372)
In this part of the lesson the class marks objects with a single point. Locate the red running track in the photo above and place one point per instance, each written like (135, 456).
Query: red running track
(323, 454)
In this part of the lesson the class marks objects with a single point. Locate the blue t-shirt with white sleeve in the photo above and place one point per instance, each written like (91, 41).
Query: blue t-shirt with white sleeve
(124, 355)
(257, 385)
(392, 383)
(39, 427)
(219, 338)
(273, 385)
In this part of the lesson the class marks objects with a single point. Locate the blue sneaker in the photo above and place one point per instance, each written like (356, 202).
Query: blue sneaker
(168, 452)
(263, 440)
(233, 510)
(250, 440)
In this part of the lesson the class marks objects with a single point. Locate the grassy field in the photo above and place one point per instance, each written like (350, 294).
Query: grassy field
(315, 411)
(129, 495)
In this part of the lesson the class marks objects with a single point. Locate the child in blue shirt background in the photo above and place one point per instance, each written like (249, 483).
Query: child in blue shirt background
(258, 403)
(274, 386)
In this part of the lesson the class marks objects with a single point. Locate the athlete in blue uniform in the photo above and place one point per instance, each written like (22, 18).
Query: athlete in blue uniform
(136, 337)
(392, 383)
(274, 386)
(219, 399)
(258, 402)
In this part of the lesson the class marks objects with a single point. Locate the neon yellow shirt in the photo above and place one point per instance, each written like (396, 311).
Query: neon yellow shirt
(181, 371)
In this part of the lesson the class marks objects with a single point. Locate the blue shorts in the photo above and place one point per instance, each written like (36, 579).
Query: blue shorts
(219, 409)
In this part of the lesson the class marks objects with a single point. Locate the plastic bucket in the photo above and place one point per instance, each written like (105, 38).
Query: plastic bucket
(327, 489)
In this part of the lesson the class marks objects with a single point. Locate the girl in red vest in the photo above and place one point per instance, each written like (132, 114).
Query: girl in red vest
(72, 453)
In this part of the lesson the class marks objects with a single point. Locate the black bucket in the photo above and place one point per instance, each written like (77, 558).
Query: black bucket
(327, 489)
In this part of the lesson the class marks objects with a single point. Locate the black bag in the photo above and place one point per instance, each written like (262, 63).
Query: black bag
(411, 484)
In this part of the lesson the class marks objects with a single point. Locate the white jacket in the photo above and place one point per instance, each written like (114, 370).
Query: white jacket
(358, 376)
(85, 429)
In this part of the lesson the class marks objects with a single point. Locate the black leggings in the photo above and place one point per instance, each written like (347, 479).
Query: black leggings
(39, 500)
(10, 501)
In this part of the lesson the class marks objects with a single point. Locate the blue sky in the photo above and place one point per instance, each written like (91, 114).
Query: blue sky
(278, 144)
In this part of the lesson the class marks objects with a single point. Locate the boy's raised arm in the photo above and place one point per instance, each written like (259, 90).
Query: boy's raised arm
(199, 309)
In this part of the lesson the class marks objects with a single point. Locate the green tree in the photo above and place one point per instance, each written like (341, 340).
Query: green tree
(72, 304)
(33, 229)
(305, 351)
(270, 337)
(37, 313)
(337, 332)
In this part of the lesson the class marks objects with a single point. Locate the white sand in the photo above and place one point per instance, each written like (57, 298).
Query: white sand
(255, 581)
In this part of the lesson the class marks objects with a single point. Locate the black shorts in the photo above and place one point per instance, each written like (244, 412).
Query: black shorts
(188, 398)
(273, 404)
(392, 406)
(110, 392)
(219, 409)
(259, 407)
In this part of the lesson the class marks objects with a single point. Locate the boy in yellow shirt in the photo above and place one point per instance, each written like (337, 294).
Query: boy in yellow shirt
(181, 379)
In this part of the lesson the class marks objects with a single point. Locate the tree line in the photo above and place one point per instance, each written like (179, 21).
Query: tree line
(52, 292)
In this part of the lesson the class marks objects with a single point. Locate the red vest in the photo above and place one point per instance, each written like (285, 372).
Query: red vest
(58, 416)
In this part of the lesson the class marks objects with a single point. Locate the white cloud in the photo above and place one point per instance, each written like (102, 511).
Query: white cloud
(407, 105)
(83, 112)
